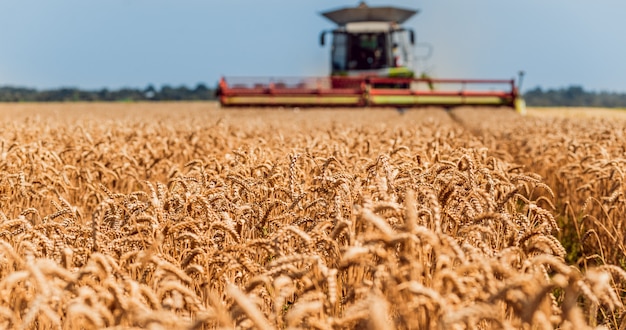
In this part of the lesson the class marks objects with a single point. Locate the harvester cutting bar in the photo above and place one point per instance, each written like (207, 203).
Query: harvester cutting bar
(401, 92)
(306, 92)
(368, 91)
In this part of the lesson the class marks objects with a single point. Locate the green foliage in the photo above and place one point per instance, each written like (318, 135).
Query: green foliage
(571, 239)
(150, 93)
(574, 96)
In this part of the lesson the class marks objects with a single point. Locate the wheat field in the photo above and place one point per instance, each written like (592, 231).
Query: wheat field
(187, 216)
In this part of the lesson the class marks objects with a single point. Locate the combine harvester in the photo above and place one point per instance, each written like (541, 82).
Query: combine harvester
(371, 66)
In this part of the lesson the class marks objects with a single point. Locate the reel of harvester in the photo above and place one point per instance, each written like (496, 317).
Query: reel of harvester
(371, 66)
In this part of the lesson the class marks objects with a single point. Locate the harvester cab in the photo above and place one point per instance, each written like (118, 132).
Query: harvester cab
(371, 66)
(370, 42)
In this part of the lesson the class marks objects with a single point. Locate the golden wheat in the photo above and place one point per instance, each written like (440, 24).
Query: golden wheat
(187, 216)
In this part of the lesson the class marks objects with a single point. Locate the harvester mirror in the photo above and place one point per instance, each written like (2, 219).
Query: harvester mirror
(412, 37)
(322, 35)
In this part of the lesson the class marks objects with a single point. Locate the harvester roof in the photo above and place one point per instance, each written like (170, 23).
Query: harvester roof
(364, 13)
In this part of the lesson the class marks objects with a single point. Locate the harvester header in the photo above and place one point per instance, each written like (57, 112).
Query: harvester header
(372, 65)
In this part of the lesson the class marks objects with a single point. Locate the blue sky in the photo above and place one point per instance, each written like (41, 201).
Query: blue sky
(93, 44)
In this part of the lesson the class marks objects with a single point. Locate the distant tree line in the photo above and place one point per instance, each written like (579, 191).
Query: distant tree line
(150, 93)
(574, 96)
